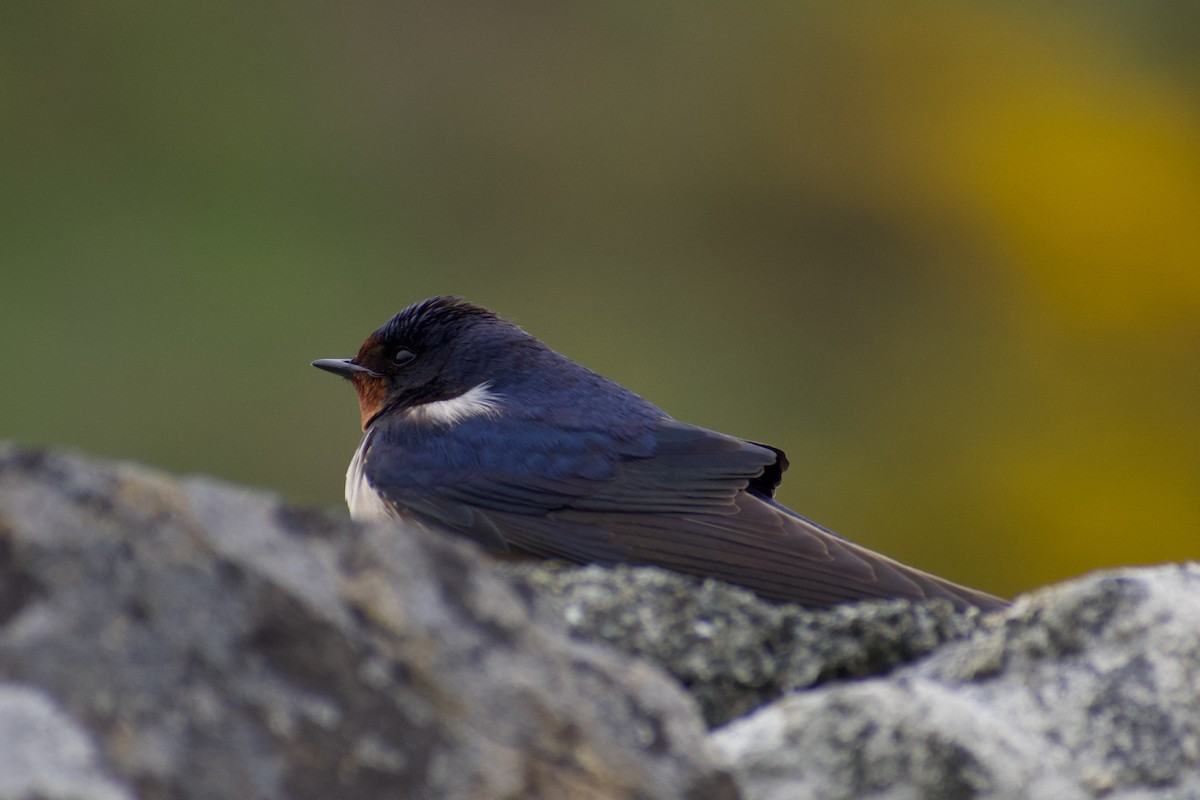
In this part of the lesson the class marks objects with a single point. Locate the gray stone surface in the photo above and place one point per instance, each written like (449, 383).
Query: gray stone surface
(733, 651)
(1083, 690)
(166, 638)
(44, 753)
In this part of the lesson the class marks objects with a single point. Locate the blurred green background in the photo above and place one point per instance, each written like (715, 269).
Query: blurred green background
(945, 255)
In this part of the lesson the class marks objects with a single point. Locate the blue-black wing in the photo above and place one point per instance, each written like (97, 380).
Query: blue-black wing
(664, 493)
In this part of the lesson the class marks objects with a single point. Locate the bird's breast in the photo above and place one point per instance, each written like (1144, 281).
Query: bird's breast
(364, 502)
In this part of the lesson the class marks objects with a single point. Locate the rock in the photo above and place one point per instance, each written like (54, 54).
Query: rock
(186, 639)
(732, 650)
(44, 753)
(1082, 690)
(164, 638)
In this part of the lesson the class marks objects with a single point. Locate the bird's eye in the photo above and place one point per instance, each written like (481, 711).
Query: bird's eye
(402, 355)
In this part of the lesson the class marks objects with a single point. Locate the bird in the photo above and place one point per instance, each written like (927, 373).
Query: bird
(474, 427)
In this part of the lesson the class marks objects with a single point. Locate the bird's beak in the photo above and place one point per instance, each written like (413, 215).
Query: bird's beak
(344, 367)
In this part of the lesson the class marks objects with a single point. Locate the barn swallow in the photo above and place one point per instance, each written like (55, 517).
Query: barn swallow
(475, 427)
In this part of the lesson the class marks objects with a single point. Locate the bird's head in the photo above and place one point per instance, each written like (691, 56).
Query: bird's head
(428, 356)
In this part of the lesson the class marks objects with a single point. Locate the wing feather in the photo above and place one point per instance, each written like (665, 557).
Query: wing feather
(681, 497)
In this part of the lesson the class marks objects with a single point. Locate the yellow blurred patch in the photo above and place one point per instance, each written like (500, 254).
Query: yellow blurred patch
(1084, 505)
(1094, 191)
(1080, 164)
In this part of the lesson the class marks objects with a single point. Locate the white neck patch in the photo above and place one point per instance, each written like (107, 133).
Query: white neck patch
(479, 401)
(363, 501)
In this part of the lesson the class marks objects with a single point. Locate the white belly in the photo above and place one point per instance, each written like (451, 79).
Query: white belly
(363, 501)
